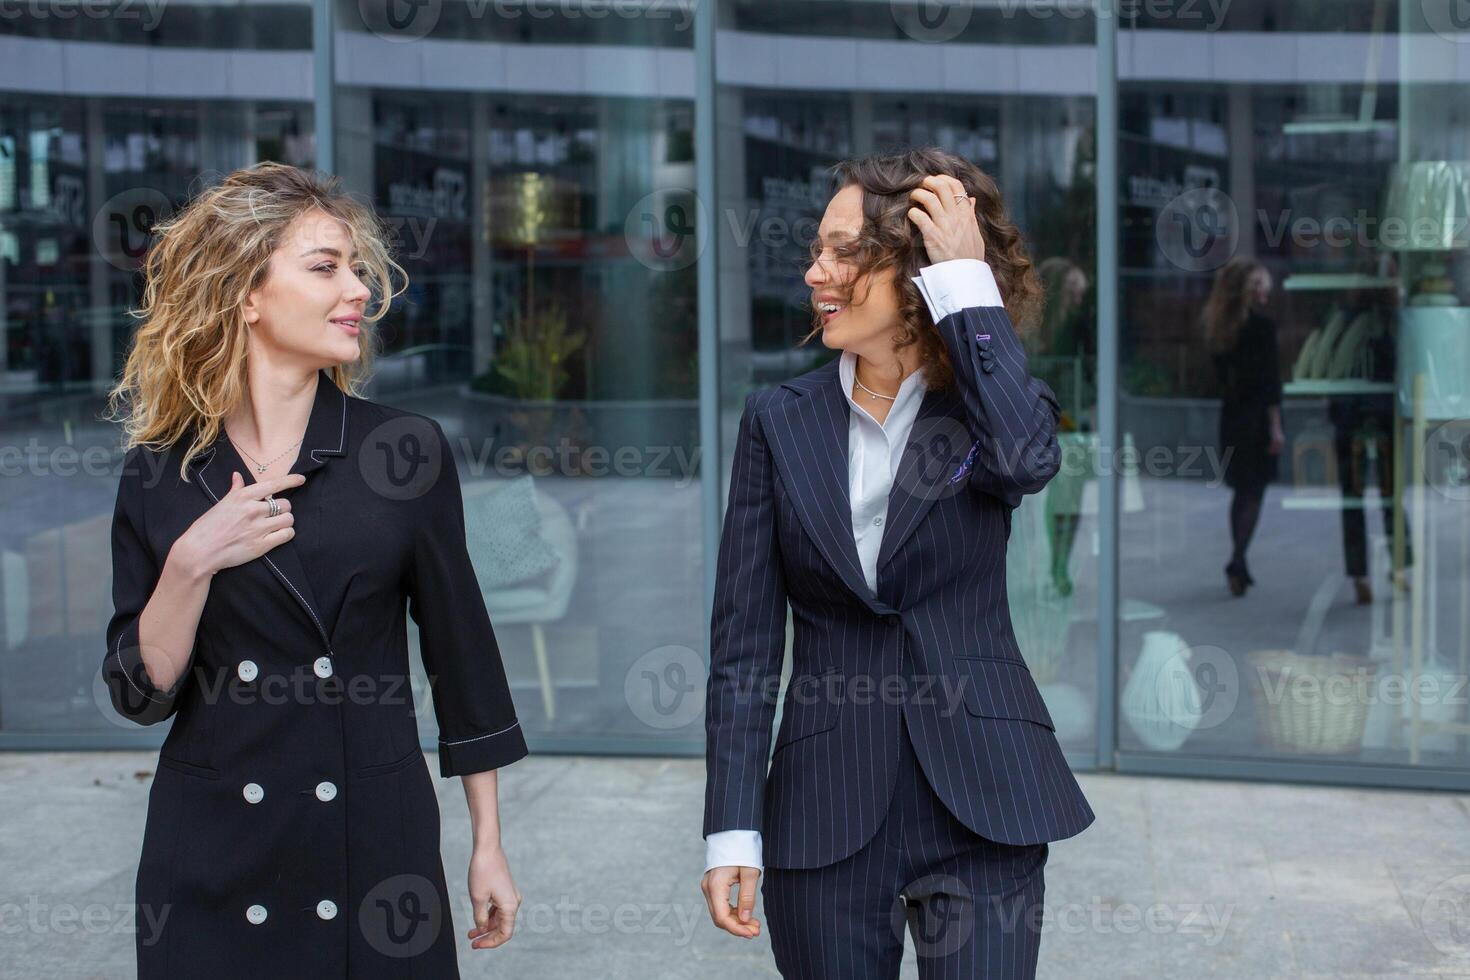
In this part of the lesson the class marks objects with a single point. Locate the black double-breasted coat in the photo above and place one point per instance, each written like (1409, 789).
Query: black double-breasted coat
(293, 829)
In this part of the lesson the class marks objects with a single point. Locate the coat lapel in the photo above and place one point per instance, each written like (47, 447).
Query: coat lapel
(326, 438)
(809, 443)
(937, 446)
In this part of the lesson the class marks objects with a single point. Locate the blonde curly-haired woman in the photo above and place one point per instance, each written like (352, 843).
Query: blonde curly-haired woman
(271, 528)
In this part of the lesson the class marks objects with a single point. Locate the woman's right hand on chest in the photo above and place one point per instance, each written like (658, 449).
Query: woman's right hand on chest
(239, 527)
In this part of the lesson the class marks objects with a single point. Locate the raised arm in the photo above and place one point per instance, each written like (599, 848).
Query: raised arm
(156, 608)
(1011, 415)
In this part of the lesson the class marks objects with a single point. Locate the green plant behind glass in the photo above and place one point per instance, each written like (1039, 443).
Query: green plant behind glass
(532, 362)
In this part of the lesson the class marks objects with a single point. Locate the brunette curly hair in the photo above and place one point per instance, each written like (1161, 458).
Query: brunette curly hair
(890, 244)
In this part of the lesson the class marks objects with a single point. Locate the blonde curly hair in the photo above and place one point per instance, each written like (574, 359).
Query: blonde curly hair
(185, 371)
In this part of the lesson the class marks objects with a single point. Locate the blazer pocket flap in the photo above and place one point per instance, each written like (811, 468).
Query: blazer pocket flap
(998, 687)
(812, 705)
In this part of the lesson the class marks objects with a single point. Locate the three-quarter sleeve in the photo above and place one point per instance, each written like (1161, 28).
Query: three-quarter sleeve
(135, 574)
(478, 728)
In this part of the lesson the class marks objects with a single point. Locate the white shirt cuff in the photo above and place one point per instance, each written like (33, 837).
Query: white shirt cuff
(733, 848)
(957, 284)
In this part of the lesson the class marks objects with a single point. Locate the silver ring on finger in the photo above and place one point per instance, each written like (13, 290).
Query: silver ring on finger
(275, 505)
(961, 198)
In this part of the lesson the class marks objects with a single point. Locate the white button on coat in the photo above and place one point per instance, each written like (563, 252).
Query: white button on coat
(255, 914)
(254, 793)
(326, 791)
(323, 667)
(247, 671)
(326, 909)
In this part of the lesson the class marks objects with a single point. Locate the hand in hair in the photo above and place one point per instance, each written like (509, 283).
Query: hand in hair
(947, 219)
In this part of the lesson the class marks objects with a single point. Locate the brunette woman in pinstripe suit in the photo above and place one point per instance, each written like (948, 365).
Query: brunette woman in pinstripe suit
(916, 778)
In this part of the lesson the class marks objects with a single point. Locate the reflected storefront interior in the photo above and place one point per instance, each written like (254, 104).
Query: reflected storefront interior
(605, 211)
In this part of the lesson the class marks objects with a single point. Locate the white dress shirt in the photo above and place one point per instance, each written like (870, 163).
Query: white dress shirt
(873, 453)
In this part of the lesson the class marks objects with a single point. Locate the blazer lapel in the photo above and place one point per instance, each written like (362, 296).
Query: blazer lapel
(937, 447)
(326, 438)
(808, 438)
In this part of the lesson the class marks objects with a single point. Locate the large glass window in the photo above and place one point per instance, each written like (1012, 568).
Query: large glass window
(537, 163)
(1293, 363)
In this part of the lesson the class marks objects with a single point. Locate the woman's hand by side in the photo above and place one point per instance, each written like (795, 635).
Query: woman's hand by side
(494, 896)
(737, 920)
(946, 220)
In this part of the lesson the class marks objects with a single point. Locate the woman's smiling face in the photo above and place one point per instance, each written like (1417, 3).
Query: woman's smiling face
(311, 303)
(853, 313)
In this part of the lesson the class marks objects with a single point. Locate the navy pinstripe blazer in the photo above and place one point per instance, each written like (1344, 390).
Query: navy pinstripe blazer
(934, 644)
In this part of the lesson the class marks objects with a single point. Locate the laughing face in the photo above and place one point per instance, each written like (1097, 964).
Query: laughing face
(857, 313)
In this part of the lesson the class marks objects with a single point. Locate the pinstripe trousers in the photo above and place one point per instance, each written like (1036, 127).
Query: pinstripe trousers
(973, 906)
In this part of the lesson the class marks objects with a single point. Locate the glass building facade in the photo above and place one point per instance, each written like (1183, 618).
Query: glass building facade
(604, 208)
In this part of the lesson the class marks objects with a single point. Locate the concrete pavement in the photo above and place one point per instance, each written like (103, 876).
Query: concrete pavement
(1178, 877)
